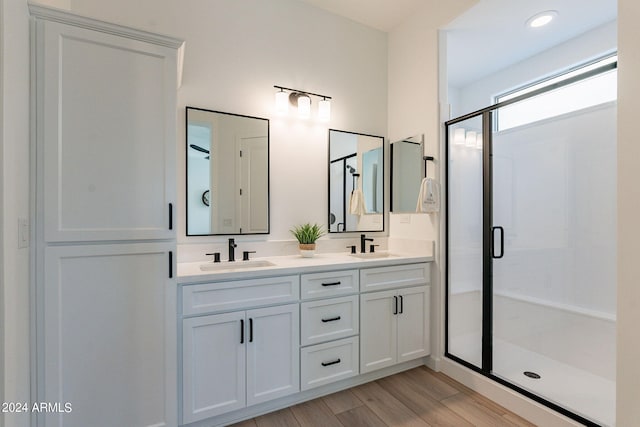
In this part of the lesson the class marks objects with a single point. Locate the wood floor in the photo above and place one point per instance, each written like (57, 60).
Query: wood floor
(416, 398)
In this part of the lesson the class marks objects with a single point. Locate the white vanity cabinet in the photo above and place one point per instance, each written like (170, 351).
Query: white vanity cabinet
(395, 322)
(240, 358)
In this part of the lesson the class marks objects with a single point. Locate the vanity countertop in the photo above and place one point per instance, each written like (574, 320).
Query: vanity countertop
(190, 272)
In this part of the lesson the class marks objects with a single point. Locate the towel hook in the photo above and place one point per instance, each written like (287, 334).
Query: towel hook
(426, 159)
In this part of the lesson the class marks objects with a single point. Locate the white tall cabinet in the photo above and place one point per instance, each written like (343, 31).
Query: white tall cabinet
(104, 138)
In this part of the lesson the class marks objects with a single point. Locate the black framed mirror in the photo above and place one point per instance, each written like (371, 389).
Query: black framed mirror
(227, 168)
(356, 182)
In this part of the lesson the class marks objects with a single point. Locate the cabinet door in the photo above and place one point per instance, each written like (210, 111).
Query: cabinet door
(213, 365)
(413, 323)
(273, 361)
(107, 133)
(377, 330)
(109, 335)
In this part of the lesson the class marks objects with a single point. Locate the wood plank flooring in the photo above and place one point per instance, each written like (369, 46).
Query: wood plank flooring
(416, 398)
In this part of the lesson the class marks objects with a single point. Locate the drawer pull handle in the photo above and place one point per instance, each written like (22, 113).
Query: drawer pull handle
(241, 331)
(331, 319)
(333, 362)
(331, 283)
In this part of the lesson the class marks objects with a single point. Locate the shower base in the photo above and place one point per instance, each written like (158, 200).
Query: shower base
(580, 391)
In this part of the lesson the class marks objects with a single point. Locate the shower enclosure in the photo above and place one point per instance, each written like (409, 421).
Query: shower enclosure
(531, 253)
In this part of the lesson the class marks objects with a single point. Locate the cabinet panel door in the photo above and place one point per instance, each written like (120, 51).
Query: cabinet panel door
(413, 323)
(107, 135)
(273, 360)
(213, 363)
(377, 330)
(109, 335)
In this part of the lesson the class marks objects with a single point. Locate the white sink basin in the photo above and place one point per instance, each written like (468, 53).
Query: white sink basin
(372, 255)
(237, 265)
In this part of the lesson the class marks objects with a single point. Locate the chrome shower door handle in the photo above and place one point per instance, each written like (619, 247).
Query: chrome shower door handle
(493, 242)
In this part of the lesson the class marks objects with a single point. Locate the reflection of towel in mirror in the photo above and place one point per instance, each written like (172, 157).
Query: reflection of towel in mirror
(356, 203)
(428, 196)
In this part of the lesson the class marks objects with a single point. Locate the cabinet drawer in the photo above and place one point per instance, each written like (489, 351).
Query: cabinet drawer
(396, 276)
(325, 363)
(213, 297)
(329, 319)
(331, 283)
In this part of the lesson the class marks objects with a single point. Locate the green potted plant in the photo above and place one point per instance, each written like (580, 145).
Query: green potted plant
(307, 234)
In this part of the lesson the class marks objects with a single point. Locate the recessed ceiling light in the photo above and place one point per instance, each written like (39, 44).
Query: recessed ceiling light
(541, 19)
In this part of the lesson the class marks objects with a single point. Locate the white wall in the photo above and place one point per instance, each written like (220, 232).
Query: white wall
(414, 110)
(590, 45)
(15, 204)
(628, 351)
(235, 53)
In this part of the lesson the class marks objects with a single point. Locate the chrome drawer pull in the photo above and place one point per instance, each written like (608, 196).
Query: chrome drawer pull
(332, 319)
(333, 362)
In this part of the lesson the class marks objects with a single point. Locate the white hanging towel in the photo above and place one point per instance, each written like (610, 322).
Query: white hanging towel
(428, 196)
(356, 203)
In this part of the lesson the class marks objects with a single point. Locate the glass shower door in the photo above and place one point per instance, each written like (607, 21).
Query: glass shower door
(553, 207)
(465, 240)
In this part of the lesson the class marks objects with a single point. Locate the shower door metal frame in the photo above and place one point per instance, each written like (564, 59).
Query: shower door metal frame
(488, 241)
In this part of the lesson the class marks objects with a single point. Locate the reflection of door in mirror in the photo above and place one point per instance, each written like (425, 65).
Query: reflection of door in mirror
(236, 151)
(406, 174)
(356, 182)
(253, 195)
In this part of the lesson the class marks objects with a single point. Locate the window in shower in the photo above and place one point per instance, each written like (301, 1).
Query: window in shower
(591, 84)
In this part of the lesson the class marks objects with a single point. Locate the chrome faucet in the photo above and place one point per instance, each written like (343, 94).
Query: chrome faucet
(363, 243)
(232, 251)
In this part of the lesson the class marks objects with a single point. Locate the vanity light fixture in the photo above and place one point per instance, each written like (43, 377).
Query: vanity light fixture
(541, 19)
(324, 109)
(304, 106)
(302, 100)
(282, 102)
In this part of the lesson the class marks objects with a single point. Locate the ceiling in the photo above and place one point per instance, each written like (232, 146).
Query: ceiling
(491, 35)
(383, 15)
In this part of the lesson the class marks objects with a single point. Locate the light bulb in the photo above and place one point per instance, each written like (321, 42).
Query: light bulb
(324, 110)
(282, 102)
(458, 136)
(304, 106)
